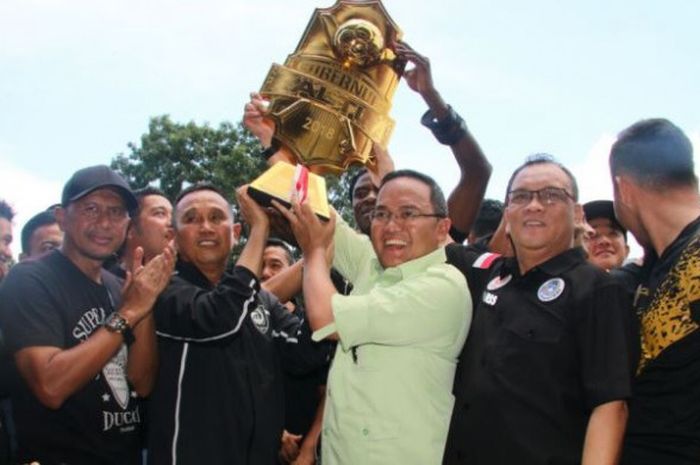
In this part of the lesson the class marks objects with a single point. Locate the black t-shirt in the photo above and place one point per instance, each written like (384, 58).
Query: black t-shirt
(664, 418)
(50, 302)
(545, 348)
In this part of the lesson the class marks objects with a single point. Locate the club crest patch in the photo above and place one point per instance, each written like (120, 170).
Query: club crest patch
(498, 282)
(261, 319)
(551, 289)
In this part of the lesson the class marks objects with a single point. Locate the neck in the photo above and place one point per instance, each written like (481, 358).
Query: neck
(91, 267)
(528, 258)
(212, 273)
(666, 216)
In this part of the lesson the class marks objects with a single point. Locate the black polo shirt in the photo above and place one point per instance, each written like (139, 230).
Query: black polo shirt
(545, 349)
(664, 419)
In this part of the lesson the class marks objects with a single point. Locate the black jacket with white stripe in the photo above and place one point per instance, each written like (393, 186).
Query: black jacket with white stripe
(218, 397)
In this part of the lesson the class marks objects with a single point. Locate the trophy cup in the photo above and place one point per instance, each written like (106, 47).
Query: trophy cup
(330, 101)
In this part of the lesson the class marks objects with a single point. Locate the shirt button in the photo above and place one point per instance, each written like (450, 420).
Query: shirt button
(365, 431)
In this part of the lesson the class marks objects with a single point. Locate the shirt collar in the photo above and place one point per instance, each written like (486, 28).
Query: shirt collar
(191, 273)
(556, 265)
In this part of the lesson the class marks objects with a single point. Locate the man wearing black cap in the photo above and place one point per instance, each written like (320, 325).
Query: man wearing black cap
(607, 244)
(83, 359)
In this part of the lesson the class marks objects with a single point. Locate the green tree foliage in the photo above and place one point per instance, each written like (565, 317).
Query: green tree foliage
(172, 156)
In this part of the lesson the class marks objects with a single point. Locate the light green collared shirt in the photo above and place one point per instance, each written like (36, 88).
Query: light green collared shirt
(389, 396)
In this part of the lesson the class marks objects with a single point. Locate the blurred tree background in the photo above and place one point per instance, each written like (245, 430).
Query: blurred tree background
(172, 156)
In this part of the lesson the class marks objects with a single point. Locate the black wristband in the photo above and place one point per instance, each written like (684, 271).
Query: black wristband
(448, 130)
(271, 150)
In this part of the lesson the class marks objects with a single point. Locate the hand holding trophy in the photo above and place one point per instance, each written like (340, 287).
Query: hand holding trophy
(329, 104)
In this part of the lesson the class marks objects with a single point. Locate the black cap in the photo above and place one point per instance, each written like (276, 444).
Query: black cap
(90, 179)
(602, 209)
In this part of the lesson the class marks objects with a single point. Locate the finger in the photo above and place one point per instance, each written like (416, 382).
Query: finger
(137, 263)
(284, 211)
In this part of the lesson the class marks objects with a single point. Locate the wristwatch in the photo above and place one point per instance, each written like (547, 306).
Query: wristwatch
(115, 323)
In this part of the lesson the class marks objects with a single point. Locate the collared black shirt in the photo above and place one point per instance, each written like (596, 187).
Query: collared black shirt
(545, 349)
(664, 412)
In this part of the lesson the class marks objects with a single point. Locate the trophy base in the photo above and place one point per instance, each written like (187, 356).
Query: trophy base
(283, 181)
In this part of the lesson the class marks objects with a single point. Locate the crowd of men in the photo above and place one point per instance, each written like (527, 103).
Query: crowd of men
(440, 331)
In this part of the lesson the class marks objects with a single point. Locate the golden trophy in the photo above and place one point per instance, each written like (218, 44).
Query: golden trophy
(330, 101)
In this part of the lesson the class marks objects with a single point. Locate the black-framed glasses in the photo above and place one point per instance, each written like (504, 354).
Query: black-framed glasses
(404, 215)
(546, 196)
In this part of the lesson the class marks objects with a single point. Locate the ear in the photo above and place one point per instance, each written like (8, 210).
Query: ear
(60, 215)
(443, 229)
(236, 232)
(625, 189)
(579, 216)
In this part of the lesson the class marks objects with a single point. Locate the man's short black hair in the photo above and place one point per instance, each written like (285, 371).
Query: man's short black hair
(437, 198)
(44, 218)
(6, 211)
(655, 153)
(540, 159)
(353, 181)
(200, 186)
(276, 242)
(488, 218)
(148, 190)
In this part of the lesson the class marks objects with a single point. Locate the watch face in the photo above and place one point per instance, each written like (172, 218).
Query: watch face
(115, 323)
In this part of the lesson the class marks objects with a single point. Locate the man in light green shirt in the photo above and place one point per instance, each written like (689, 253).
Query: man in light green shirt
(389, 396)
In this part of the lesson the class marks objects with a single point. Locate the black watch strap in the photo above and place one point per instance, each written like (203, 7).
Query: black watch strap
(115, 323)
(271, 150)
(448, 130)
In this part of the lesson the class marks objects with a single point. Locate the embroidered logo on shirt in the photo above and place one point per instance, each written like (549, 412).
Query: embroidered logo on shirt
(261, 319)
(498, 282)
(550, 289)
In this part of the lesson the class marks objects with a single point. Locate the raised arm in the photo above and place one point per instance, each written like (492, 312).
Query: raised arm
(449, 128)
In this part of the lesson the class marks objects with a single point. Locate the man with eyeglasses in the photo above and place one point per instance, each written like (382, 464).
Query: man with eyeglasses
(545, 372)
(399, 331)
(83, 356)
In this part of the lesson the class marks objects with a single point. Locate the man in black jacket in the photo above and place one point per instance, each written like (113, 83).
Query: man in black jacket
(219, 395)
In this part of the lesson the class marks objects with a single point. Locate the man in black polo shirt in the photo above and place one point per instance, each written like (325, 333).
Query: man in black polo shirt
(656, 198)
(544, 373)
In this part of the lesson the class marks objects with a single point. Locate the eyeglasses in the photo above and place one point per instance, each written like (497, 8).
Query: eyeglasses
(546, 196)
(92, 212)
(404, 215)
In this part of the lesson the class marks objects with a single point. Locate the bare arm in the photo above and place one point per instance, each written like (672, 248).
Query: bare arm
(475, 170)
(255, 216)
(307, 451)
(314, 238)
(287, 283)
(53, 374)
(606, 427)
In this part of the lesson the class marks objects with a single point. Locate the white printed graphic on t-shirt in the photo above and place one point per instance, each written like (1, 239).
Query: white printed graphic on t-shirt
(115, 375)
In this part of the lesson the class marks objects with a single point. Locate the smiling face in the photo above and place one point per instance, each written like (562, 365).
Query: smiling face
(204, 230)
(396, 242)
(94, 226)
(537, 227)
(606, 246)
(364, 197)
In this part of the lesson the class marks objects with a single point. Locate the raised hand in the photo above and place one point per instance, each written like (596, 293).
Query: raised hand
(256, 121)
(145, 282)
(310, 232)
(419, 78)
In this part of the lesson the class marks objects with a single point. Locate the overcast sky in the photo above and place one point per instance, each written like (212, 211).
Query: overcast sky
(80, 79)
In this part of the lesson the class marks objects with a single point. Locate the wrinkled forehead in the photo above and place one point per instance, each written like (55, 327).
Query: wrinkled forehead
(202, 201)
(538, 176)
